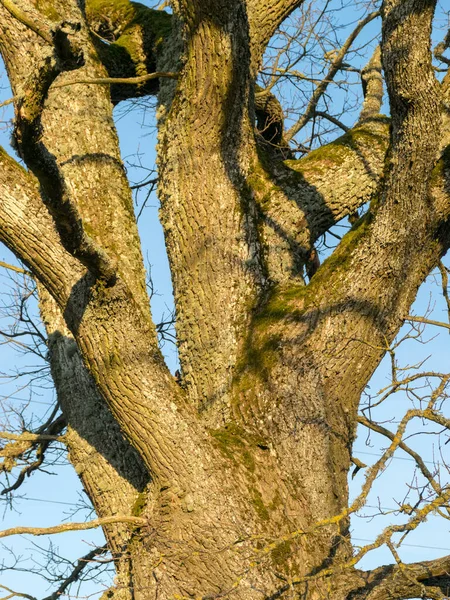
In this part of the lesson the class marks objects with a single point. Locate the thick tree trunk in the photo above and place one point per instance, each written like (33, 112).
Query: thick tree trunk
(241, 471)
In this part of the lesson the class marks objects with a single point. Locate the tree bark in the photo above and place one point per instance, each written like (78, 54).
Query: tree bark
(241, 471)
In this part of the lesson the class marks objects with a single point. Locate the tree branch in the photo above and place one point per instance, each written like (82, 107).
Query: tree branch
(264, 18)
(25, 442)
(33, 239)
(133, 40)
(110, 469)
(418, 459)
(406, 581)
(36, 438)
(301, 199)
(13, 268)
(334, 68)
(104, 81)
(426, 321)
(136, 521)
(372, 81)
(32, 24)
(13, 594)
(115, 80)
(82, 563)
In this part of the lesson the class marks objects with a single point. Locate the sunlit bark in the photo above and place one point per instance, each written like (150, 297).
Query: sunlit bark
(236, 474)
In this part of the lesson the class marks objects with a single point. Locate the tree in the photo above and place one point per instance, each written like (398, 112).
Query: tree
(232, 478)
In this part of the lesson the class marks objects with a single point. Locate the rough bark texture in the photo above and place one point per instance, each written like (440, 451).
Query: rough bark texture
(241, 471)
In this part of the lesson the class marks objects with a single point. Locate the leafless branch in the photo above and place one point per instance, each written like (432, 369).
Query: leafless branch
(12, 267)
(81, 564)
(334, 68)
(32, 24)
(137, 521)
(426, 321)
(13, 594)
(41, 440)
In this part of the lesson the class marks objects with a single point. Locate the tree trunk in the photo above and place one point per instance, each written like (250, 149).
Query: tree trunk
(241, 468)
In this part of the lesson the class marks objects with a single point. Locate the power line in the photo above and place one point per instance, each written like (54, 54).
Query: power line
(409, 545)
(428, 462)
(47, 501)
(27, 400)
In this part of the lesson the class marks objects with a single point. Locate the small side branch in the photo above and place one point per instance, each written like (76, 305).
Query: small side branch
(82, 563)
(441, 48)
(417, 458)
(133, 521)
(13, 594)
(30, 437)
(324, 115)
(106, 81)
(24, 443)
(117, 80)
(426, 321)
(13, 268)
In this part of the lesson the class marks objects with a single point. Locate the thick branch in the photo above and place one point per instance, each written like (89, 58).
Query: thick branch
(133, 39)
(78, 161)
(302, 199)
(110, 470)
(407, 581)
(333, 332)
(372, 81)
(30, 23)
(33, 238)
(265, 16)
(269, 115)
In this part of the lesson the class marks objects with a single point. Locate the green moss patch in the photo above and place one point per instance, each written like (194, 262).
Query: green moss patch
(139, 504)
(238, 445)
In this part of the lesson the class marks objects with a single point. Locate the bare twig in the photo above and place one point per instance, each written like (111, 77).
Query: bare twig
(82, 563)
(334, 68)
(13, 594)
(324, 115)
(137, 521)
(18, 448)
(418, 459)
(30, 437)
(115, 80)
(104, 81)
(426, 321)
